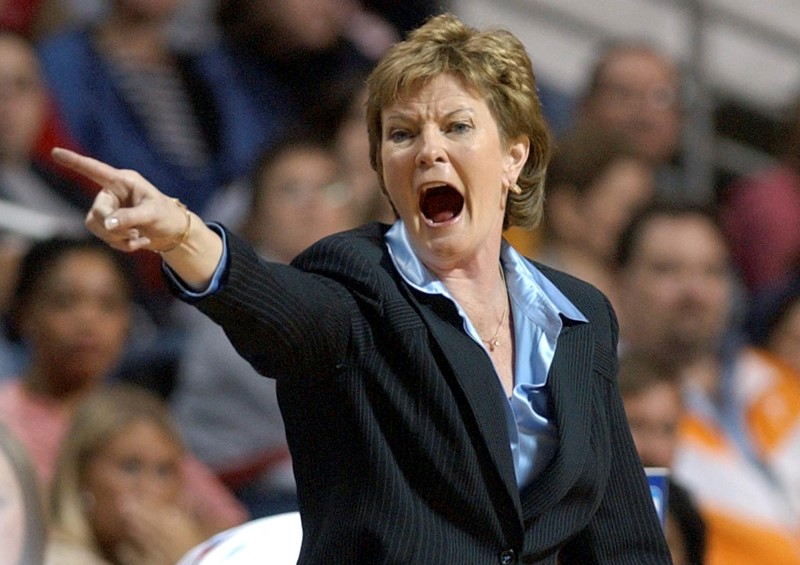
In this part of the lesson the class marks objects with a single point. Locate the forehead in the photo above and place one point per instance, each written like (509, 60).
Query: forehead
(682, 237)
(143, 435)
(636, 67)
(79, 261)
(446, 90)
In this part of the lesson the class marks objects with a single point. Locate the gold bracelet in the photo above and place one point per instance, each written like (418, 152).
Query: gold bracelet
(185, 233)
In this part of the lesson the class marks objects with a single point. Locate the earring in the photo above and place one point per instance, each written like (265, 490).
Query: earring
(516, 189)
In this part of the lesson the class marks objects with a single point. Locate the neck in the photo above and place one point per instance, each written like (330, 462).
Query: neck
(704, 374)
(66, 391)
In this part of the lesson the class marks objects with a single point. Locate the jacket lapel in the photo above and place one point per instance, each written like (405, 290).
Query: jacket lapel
(475, 376)
(570, 382)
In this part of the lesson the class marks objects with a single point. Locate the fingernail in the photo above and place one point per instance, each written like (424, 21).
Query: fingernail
(111, 223)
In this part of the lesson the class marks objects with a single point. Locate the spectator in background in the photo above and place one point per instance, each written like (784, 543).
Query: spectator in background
(761, 215)
(22, 523)
(296, 57)
(120, 494)
(738, 443)
(73, 309)
(651, 393)
(126, 95)
(634, 90)
(595, 183)
(674, 276)
(229, 414)
(35, 201)
(27, 177)
(654, 407)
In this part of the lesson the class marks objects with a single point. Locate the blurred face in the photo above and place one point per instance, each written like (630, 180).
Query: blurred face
(676, 289)
(615, 196)
(77, 323)
(12, 515)
(653, 417)
(141, 465)
(304, 201)
(448, 172)
(785, 338)
(305, 24)
(638, 96)
(22, 100)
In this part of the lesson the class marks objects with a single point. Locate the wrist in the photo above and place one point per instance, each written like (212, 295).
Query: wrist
(180, 239)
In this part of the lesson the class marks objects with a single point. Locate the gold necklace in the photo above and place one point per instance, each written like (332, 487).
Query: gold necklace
(494, 342)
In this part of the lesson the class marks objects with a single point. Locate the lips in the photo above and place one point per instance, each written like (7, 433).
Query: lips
(441, 203)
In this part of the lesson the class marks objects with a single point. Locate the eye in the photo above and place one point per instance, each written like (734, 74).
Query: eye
(130, 466)
(399, 135)
(460, 127)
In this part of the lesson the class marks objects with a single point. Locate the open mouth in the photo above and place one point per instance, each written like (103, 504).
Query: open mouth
(440, 204)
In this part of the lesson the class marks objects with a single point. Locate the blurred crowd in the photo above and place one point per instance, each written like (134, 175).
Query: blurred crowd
(130, 429)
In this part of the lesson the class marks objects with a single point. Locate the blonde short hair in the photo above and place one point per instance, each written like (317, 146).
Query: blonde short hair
(492, 62)
(97, 421)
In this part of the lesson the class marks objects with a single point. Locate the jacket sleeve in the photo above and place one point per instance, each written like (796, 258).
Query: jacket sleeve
(281, 319)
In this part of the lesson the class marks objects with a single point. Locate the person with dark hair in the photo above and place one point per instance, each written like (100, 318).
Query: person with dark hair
(633, 89)
(651, 393)
(737, 446)
(73, 310)
(23, 530)
(595, 182)
(445, 399)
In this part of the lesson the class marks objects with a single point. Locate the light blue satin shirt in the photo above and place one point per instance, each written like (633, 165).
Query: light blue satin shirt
(537, 306)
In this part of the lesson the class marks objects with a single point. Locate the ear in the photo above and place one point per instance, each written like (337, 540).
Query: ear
(516, 157)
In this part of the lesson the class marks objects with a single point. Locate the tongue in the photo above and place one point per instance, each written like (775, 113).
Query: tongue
(442, 216)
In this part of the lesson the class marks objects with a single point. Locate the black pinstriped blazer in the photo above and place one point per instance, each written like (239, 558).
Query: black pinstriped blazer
(395, 419)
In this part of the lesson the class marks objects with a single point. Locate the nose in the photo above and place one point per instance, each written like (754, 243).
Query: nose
(431, 148)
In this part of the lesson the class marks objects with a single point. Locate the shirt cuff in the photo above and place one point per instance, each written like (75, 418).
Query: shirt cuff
(214, 285)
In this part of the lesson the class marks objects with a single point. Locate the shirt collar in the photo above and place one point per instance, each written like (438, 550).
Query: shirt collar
(529, 288)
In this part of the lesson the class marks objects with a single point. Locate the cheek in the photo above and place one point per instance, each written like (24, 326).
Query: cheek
(47, 330)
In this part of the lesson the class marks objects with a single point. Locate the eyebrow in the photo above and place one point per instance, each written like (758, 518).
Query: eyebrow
(407, 115)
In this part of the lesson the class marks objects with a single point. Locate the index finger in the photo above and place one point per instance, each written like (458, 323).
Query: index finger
(99, 172)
